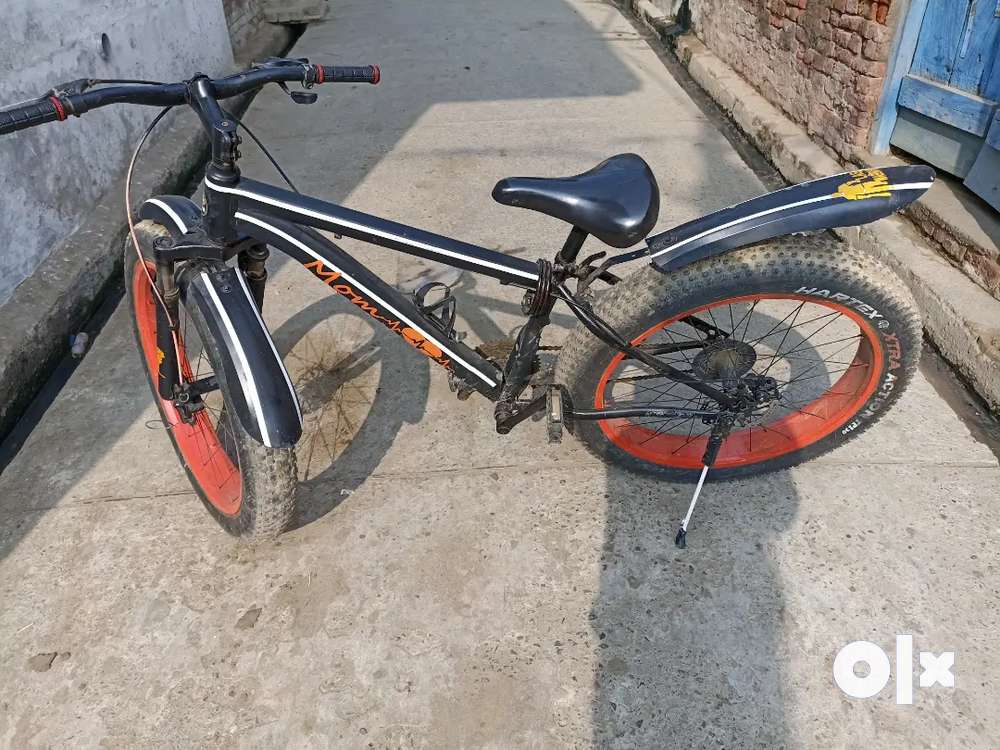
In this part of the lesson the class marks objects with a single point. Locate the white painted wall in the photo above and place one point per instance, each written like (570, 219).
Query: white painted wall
(51, 175)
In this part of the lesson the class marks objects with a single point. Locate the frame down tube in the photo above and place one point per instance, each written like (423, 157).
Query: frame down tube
(350, 279)
(283, 204)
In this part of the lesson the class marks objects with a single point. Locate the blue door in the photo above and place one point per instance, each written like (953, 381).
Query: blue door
(949, 101)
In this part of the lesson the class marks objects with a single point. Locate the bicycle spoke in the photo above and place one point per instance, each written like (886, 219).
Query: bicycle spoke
(784, 338)
(776, 327)
(813, 367)
(748, 317)
(691, 440)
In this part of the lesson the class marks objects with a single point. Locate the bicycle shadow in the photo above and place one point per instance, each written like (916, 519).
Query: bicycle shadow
(354, 397)
(688, 641)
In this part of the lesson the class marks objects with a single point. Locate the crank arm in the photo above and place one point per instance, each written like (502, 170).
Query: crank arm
(523, 411)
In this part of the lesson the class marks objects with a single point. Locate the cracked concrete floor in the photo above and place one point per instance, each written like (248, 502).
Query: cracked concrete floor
(448, 587)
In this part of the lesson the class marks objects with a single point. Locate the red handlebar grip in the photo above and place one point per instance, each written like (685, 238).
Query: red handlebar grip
(31, 114)
(349, 74)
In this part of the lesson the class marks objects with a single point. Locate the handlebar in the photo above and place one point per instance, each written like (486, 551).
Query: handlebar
(75, 99)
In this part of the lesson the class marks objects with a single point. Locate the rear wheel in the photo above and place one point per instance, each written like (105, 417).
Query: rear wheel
(818, 338)
(248, 487)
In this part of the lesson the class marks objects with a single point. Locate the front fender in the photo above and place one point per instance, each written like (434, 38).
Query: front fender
(263, 397)
(843, 200)
(262, 393)
(175, 212)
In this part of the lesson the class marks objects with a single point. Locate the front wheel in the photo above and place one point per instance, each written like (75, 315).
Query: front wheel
(247, 487)
(818, 338)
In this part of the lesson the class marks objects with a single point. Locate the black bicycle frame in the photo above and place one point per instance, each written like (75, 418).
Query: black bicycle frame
(283, 219)
(242, 216)
(287, 221)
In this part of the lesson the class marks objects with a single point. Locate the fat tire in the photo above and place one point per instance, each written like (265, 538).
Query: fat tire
(786, 265)
(269, 475)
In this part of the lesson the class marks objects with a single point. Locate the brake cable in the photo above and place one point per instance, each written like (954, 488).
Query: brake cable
(135, 239)
(263, 148)
(128, 202)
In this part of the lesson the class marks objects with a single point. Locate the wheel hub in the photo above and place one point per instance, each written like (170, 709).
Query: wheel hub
(724, 359)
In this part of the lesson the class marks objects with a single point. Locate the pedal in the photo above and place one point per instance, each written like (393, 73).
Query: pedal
(442, 312)
(459, 387)
(554, 414)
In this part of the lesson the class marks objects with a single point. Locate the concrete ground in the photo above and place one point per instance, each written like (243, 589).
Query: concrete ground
(448, 587)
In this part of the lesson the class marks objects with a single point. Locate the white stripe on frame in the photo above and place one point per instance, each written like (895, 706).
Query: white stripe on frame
(368, 292)
(369, 230)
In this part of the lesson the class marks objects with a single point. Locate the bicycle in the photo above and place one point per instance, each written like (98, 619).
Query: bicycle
(707, 357)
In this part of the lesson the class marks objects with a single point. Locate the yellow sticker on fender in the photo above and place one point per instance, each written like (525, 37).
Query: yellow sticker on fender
(867, 183)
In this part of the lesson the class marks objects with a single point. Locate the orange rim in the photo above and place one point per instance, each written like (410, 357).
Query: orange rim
(198, 442)
(806, 425)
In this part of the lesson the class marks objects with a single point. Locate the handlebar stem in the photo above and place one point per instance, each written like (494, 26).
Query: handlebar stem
(220, 128)
(219, 215)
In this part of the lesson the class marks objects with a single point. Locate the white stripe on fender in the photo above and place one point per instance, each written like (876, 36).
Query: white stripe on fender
(242, 365)
(267, 335)
(740, 221)
(369, 230)
(912, 186)
(170, 212)
(368, 292)
(906, 186)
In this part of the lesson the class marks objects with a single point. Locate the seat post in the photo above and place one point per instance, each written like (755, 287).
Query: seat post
(572, 246)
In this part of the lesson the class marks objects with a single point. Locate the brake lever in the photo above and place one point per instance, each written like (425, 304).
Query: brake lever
(279, 62)
(299, 97)
(72, 87)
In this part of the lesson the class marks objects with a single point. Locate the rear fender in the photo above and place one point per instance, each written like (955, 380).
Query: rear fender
(843, 200)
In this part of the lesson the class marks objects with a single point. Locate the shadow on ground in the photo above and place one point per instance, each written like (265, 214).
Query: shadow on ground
(352, 415)
(689, 639)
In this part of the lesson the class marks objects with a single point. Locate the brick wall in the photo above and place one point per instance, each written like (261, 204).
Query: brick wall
(821, 61)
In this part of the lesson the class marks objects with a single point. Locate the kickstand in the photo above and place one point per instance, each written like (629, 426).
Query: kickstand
(719, 433)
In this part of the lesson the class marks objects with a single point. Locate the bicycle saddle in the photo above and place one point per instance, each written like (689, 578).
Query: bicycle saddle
(617, 201)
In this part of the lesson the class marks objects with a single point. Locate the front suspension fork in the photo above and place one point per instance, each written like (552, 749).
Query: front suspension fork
(253, 262)
(168, 375)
